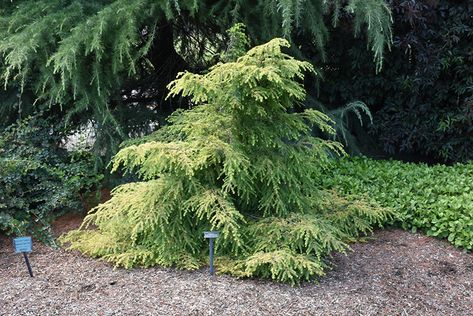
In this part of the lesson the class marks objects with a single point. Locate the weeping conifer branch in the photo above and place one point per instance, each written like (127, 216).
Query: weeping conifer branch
(98, 61)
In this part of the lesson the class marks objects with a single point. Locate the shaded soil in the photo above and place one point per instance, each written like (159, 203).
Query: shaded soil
(396, 273)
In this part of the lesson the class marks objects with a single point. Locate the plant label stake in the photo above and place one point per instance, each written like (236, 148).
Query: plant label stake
(24, 245)
(211, 236)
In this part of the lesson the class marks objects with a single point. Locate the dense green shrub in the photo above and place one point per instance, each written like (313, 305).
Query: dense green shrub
(38, 180)
(240, 161)
(435, 199)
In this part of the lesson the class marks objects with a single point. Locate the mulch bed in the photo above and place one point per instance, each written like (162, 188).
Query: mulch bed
(396, 273)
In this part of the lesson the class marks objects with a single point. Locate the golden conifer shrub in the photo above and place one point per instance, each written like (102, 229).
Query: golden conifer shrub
(241, 161)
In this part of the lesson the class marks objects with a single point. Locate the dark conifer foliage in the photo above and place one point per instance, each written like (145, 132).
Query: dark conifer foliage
(110, 61)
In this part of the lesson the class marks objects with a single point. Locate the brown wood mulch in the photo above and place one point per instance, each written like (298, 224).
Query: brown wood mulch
(396, 273)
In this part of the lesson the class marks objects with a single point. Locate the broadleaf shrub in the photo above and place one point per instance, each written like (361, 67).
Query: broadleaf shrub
(421, 101)
(437, 200)
(38, 179)
(241, 161)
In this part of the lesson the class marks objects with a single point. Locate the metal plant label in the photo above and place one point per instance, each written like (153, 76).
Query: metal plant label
(24, 245)
(211, 236)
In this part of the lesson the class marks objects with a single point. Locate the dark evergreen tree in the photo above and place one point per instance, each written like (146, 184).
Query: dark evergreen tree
(109, 62)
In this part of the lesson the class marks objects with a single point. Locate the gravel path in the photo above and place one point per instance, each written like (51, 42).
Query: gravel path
(396, 273)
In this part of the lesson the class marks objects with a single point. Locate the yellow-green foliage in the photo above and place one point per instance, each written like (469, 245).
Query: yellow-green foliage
(241, 161)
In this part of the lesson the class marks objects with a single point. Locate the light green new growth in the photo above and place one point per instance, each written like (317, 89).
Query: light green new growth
(241, 161)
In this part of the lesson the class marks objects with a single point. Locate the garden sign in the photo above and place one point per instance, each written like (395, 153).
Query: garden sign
(24, 245)
(211, 236)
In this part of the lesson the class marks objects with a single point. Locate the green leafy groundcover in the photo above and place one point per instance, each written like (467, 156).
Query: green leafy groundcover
(435, 199)
(241, 161)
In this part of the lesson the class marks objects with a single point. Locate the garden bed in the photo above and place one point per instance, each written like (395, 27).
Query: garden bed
(395, 273)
